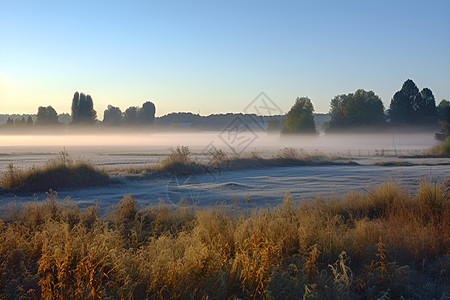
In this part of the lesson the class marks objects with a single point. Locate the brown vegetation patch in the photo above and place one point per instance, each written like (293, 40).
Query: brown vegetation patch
(359, 246)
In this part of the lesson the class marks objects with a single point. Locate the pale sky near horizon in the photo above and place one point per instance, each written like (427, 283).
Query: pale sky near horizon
(217, 56)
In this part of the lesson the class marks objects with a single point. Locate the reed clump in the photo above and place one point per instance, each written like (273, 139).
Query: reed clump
(359, 246)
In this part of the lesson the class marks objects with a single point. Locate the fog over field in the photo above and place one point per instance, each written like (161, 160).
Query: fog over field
(160, 142)
(259, 187)
(139, 148)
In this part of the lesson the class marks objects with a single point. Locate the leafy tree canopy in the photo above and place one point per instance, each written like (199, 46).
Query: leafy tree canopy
(359, 109)
(300, 118)
(112, 116)
(411, 107)
(46, 116)
(443, 110)
(130, 115)
(140, 115)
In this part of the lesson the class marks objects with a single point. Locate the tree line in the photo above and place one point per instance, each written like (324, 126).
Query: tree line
(361, 109)
(364, 109)
(144, 115)
(83, 113)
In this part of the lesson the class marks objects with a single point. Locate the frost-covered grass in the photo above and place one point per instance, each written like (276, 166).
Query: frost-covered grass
(181, 161)
(384, 243)
(61, 172)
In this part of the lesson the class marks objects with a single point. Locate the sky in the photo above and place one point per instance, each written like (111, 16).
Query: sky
(217, 56)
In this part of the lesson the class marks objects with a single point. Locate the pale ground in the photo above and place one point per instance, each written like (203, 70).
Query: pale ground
(246, 188)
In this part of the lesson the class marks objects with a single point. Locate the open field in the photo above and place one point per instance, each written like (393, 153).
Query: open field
(260, 187)
(128, 158)
(271, 222)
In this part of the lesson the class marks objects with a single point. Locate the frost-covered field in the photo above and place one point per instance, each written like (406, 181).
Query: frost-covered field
(257, 187)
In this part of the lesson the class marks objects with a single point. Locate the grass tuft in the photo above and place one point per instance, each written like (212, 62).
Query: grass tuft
(179, 155)
(433, 197)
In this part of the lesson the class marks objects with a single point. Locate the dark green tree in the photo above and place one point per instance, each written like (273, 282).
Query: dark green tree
(411, 107)
(401, 110)
(443, 110)
(112, 116)
(337, 107)
(83, 109)
(426, 110)
(90, 113)
(46, 116)
(75, 103)
(359, 109)
(300, 118)
(410, 89)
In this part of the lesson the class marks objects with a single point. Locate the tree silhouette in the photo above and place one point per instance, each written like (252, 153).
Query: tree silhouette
(46, 116)
(443, 110)
(401, 110)
(300, 118)
(112, 116)
(83, 109)
(90, 113)
(426, 110)
(130, 115)
(146, 115)
(143, 115)
(411, 107)
(75, 103)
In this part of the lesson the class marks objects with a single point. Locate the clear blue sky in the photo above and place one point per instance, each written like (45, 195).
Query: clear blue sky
(216, 56)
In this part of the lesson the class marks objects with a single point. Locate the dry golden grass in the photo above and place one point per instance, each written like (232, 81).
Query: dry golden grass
(357, 246)
(443, 149)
